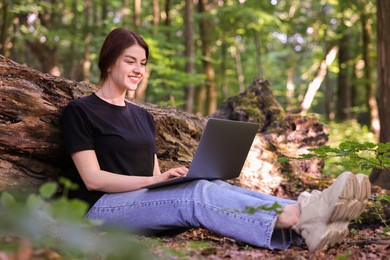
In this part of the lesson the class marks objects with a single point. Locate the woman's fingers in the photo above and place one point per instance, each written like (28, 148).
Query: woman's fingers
(177, 172)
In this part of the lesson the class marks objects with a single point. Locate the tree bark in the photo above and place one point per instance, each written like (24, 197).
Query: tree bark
(382, 177)
(206, 37)
(87, 41)
(137, 14)
(315, 84)
(239, 70)
(370, 86)
(344, 102)
(156, 16)
(3, 28)
(189, 53)
(31, 148)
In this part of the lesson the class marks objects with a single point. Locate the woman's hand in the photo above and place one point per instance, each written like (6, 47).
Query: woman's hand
(171, 173)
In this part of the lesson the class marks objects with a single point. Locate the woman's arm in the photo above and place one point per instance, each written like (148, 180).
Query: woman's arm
(95, 179)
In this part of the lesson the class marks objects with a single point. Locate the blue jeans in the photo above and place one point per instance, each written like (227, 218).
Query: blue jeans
(214, 205)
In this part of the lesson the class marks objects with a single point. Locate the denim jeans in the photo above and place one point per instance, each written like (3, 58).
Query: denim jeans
(214, 205)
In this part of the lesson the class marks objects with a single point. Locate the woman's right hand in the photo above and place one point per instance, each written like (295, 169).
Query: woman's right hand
(171, 173)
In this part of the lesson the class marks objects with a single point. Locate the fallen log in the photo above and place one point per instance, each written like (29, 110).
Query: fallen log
(31, 149)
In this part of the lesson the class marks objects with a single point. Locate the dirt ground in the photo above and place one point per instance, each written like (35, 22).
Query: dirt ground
(363, 242)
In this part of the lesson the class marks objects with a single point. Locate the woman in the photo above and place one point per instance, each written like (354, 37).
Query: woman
(112, 145)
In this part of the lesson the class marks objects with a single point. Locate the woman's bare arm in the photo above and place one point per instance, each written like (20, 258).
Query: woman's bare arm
(96, 179)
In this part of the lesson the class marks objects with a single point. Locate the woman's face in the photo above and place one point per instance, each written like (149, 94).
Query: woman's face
(129, 69)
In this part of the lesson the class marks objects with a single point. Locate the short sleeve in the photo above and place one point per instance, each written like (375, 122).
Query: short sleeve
(77, 131)
(153, 127)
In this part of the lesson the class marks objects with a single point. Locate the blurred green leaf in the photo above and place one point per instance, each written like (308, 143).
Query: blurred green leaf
(47, 190)
(7, 199)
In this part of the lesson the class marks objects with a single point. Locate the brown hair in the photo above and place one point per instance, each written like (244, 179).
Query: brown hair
(115, 43)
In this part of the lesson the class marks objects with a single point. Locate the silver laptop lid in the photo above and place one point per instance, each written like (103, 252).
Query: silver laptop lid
(223, 149)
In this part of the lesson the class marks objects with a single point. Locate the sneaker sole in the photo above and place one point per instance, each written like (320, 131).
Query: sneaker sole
(353, 199)
(334, 234)
(349, 205)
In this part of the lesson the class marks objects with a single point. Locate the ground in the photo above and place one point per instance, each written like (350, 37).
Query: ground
(363, 242)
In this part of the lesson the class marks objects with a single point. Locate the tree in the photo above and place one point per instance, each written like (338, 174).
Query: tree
(3, 27)
(208, 92)
(370, 85)
(189, 52)
(315, 84)
(382, 177)
(344, 90)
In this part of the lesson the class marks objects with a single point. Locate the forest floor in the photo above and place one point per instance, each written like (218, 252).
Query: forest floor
(363, 242)
(368, 239)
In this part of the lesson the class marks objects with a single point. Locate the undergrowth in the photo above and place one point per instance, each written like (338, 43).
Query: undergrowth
(339, 132)
(353, 148)
(58, 224)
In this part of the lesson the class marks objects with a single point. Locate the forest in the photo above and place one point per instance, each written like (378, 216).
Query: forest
(320, 56)
(328, 58)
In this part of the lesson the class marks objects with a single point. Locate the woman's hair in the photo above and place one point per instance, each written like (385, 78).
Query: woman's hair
(115, 43)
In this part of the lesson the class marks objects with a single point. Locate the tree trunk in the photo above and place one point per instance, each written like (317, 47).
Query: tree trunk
(344, 103)
(240, 74)
(329, 111)
(137, 14)
(258, 53)
(31, 149)
(104, 13)
(167, 20)
(189, 53)
(206, 37)
(290, 88)
(315, 84)
(370, 86)
(382, 177)
(3, 29)
(156, 16)
(87, 41)
(68, 68)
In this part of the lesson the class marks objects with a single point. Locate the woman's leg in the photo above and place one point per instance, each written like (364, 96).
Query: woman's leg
(256, 194)
(193, 204)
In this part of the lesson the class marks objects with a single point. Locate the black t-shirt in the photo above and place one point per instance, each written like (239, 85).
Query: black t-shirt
(123, 138)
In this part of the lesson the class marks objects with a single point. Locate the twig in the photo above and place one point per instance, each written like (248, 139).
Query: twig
(370, 241)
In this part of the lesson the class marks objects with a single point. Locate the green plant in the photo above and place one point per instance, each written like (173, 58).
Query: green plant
(377, 205)
(59, 223)
(355, 155)
(274, 207)
(351, 154)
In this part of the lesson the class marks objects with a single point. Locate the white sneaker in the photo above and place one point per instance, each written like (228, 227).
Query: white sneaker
(325, 215)
(304, 195)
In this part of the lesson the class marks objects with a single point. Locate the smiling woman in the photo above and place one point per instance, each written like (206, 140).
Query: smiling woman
(112, 143)
(122, 67)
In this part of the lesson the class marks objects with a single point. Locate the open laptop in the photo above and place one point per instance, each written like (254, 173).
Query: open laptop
(221, 152)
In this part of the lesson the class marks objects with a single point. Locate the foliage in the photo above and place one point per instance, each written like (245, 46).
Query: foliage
(274, 207)
(349, 130)
(352, 155)
(380, 201)
(59, 223)
(359, 154)
(272, 37)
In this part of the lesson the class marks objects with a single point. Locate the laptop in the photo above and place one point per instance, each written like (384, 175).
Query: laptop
(221, 152)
